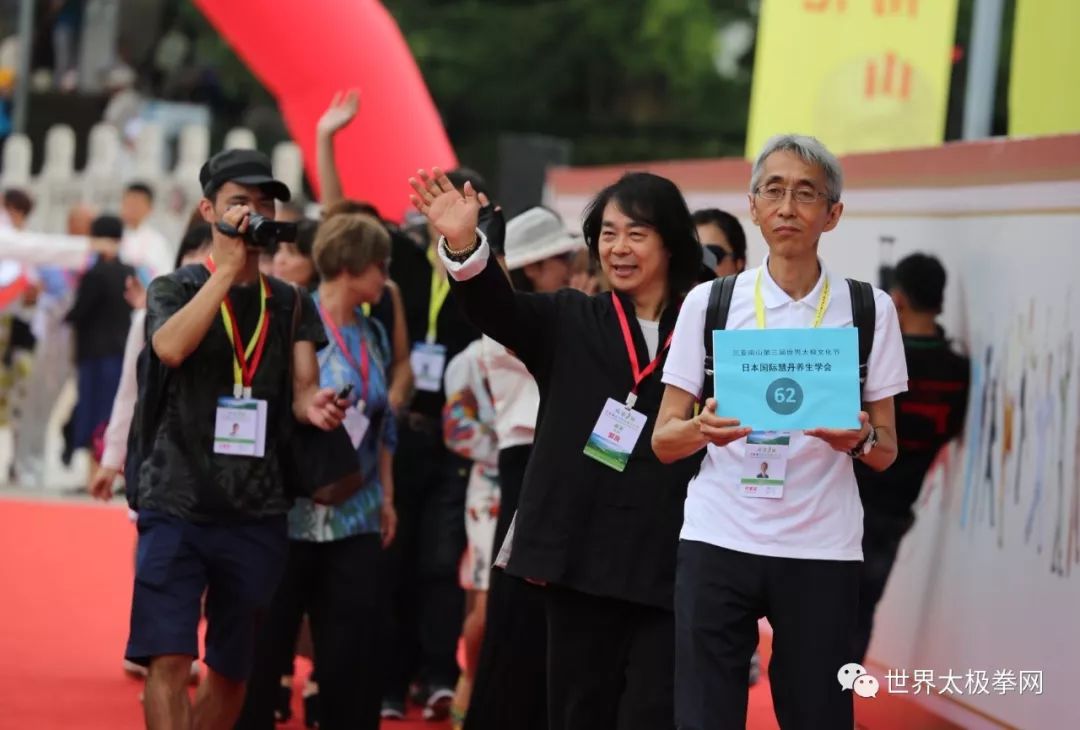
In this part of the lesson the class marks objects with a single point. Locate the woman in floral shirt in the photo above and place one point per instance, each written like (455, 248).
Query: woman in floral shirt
(469, 430)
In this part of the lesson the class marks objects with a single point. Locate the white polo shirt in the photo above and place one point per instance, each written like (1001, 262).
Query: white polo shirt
(820, 515)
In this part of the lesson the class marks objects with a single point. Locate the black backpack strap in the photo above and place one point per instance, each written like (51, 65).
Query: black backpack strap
(716, 319)
(863, 317)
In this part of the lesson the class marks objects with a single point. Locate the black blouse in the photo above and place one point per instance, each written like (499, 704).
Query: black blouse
(411, 271)
(581, 524)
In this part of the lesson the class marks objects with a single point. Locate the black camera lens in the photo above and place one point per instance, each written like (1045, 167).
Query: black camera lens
(265, 233)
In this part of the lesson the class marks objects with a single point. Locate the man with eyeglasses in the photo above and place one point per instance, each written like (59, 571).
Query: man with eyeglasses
(794, 555)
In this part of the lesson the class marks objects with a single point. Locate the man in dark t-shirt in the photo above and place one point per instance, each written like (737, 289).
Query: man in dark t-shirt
(928, 416)
(211, 498)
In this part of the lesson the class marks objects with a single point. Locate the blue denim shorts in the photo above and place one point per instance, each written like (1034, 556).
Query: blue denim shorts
(237, 566)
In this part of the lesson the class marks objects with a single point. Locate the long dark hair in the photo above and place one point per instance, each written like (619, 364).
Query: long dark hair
(197, 236)
(657, 202)
(727, 223)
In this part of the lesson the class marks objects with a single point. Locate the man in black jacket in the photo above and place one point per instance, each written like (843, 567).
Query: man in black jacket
(928, 416)
(598, 517)
(100, 318)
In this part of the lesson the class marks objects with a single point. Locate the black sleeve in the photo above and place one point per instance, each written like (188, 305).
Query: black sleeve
(523, 323)
(164, 297)
(310, 327)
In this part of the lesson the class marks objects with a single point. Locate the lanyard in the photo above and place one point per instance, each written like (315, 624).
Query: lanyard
(363, 368)
(759, 303)
(243, 368)
(639, 374)
(440, 288)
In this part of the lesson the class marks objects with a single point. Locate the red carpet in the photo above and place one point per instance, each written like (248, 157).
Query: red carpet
(66, 572)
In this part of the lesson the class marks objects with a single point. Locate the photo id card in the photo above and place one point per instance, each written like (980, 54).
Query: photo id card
(356, 423)
(764, 464)
(428, 361)
(240, 427)
(615, 434)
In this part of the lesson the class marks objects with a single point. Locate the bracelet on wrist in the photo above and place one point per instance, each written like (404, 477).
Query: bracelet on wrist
(460, 255)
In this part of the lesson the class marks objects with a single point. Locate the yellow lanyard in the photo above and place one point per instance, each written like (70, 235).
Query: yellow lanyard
(759, 303)
(241, 379)
(440, 288)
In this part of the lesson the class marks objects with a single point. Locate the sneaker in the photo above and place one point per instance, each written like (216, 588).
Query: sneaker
(311, 710)
(283, 704)
(438, 705)
(392, 710)
(134, 670)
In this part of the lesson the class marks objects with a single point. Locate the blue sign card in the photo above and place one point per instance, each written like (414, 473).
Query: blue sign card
(788, 380)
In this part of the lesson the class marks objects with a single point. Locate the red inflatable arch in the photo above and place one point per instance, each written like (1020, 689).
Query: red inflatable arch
(304, 52)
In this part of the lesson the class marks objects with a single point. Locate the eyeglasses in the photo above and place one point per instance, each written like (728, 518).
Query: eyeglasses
(803, 196)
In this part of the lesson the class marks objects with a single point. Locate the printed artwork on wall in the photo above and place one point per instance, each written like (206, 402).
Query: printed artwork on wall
(1021, 434)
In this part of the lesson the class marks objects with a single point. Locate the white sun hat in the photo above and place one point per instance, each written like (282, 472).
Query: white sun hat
(535, 235)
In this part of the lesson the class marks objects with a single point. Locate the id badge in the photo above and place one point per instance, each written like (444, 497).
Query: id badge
(356, 424)
(428, 361)
(240, 427)
(616, 432)
(764, 464)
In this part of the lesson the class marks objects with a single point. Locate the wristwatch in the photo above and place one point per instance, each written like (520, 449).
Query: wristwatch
(865, 446)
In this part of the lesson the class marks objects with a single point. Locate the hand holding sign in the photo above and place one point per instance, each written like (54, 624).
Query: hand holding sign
(843, 439)
(719, 431)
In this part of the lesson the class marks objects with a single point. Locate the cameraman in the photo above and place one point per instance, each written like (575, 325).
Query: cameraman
(212, 506)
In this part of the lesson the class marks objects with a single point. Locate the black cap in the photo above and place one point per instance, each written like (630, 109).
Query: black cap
(245, 167)
(107, 226)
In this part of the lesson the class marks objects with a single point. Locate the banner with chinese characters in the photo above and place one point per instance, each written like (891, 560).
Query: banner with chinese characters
(1045, 68)
(860, 75)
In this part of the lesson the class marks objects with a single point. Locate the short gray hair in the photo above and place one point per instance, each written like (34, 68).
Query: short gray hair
(809, 150)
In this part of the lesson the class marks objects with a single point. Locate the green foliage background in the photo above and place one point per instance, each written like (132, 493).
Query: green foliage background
(622, 80)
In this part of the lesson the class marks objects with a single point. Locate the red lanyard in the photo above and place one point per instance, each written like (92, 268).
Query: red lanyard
(243, 369)
(639, 374)
(364, 368)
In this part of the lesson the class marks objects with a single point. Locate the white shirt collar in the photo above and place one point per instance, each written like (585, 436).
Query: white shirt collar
(773, 296)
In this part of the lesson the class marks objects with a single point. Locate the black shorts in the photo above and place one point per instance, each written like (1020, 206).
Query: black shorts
(237, 565)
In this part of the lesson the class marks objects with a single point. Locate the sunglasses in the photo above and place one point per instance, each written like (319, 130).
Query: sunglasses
(718, 251)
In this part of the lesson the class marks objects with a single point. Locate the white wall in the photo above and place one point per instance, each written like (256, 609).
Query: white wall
(967, 594)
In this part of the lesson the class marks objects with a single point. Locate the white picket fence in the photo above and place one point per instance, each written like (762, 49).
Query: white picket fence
(110, 167)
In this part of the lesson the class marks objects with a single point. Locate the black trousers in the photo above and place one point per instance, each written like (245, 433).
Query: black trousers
(719, 596)
(336, 584)
(610, 663)
(424, 605)
(510, 687)
(882, 534)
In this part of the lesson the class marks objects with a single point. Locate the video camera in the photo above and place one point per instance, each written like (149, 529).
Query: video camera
(262, 232)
